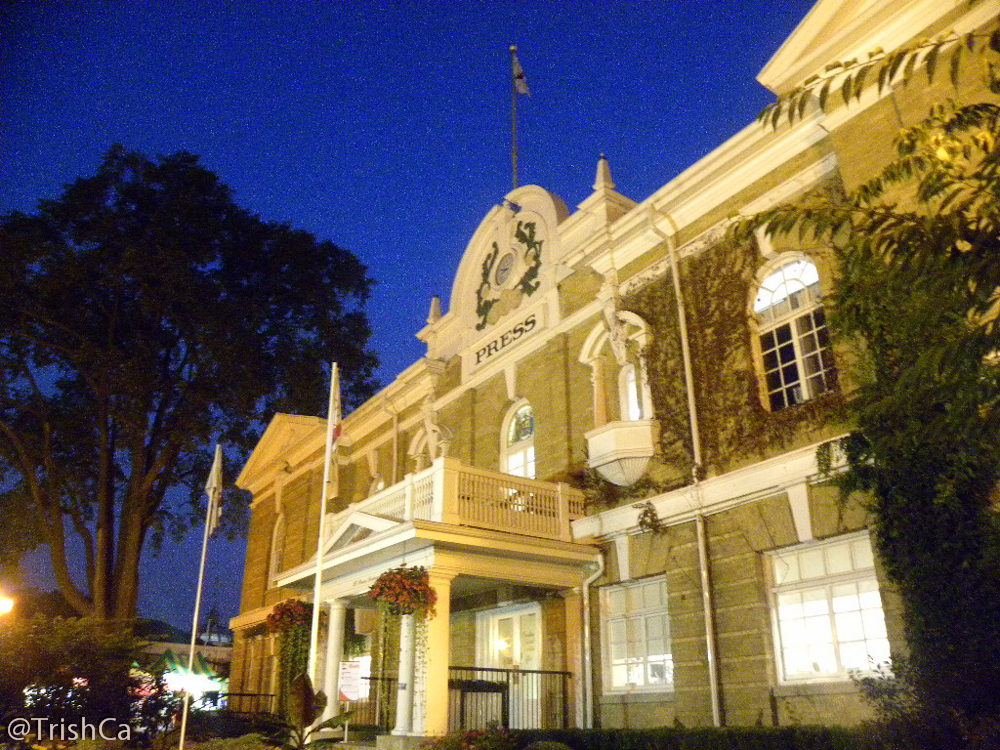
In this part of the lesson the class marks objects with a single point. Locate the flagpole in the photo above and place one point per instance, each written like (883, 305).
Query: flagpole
(332, 420)
(211, 517)
(513, 115)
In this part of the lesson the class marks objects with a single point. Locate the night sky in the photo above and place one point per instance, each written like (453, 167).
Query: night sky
(383, 126)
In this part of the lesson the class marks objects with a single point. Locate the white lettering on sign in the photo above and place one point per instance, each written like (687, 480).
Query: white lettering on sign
(350, 680)
(505, 339)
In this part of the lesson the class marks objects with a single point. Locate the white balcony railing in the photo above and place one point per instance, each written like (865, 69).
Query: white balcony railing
(450, 492)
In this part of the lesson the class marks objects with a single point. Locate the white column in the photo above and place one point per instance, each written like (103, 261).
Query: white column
(334, 652)
(404, 698)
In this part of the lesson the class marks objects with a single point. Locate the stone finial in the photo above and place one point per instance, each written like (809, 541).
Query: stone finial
(435, 314)
(603, 180)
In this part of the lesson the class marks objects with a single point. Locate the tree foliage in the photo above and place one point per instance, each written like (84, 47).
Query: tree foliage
(847, 80)
(72, 667)
(146, 315)
(916, 299)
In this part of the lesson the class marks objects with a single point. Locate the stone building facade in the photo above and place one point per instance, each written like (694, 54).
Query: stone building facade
(607, 457)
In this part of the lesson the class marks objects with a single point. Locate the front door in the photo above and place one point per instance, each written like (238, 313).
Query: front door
(510, 640)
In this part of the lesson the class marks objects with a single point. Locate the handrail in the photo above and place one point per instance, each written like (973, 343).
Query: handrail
(450, 492)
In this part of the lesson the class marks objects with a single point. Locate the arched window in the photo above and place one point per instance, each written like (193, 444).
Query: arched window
(630, 395)
(635, 401)
(796, 359)
(417, 451)
(277, 563)
(517, 445)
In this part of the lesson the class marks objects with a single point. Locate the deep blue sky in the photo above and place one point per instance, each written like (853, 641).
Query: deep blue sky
(384, 127)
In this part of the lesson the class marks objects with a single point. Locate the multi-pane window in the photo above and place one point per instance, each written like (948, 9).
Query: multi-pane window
(519, 443)
(636, 626)
(827, 610)
(794, 341)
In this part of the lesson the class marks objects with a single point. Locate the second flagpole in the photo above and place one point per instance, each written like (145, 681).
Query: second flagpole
(513, 114)
(332, 422)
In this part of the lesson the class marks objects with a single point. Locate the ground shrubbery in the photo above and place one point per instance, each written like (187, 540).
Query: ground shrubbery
(69, 669)
(663, 738)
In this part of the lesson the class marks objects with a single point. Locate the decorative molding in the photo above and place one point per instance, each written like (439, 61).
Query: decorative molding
(699, 244)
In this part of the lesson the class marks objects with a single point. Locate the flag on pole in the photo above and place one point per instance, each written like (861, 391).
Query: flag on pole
(333, 419)
(520, 82)
(213, 488)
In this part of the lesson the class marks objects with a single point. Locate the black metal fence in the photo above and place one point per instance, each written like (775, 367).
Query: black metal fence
(378, 709)
(513, 698)
(477, 697)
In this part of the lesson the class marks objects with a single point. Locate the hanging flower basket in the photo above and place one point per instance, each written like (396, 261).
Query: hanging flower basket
(289, 614)
(404, 591)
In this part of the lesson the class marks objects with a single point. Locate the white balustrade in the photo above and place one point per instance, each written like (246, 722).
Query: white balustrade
(450, 492)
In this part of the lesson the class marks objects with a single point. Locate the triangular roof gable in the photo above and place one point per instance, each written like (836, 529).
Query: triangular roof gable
(283, 434)
(838, 30)
(357, 519)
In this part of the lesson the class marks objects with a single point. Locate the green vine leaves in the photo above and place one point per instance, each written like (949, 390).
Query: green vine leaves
(850, 78)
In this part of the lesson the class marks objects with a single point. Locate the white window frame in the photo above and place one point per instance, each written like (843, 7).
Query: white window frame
(822, 575)
(792, 341)
(649, 623)
(518, 457)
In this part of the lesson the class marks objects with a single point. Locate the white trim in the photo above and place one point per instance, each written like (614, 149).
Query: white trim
(774, 588)
(765, 478)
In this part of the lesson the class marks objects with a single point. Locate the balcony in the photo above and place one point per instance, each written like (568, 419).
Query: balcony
(620, 451)
(452, 493)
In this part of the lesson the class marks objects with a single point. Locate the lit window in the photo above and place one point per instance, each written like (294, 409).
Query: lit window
(794, 341)
(519, 442)
(827, 610)
(636, 627)
(631, 400)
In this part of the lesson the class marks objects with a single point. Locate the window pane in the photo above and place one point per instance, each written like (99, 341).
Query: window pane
(797, 661)
(789, 605)
(786, 568)
(814, 602)
(651, 595)
(845, 597)
(638, 634)
(854, 655)
(619, 675)
(811, 564)
(793, 633)
(874, 623)
(616, 601)
(823, 659)
(861, 551)
(838, 559)
(878, 651)
(849, 627)
(658, 673)
(834, 625)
